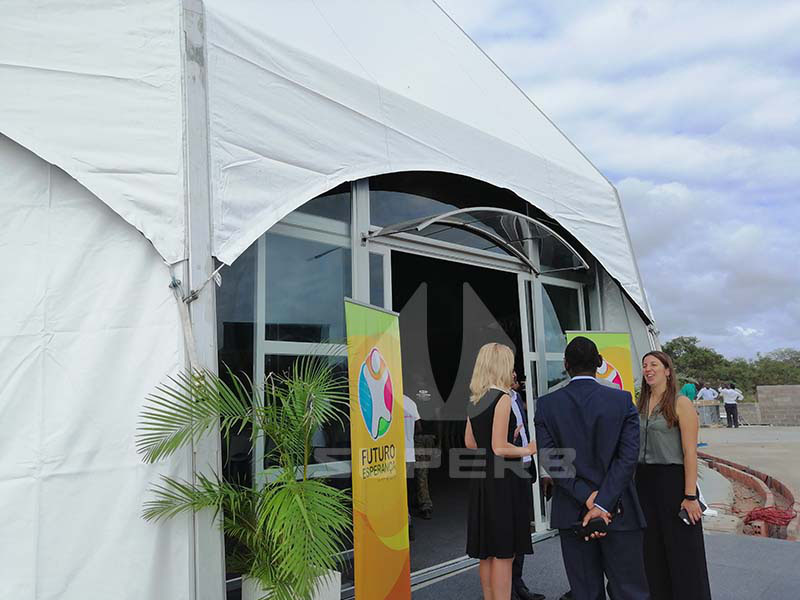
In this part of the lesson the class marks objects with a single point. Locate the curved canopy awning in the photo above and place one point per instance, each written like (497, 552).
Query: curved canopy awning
(497, 229)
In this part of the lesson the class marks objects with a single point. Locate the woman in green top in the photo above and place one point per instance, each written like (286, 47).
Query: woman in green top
(666, 481)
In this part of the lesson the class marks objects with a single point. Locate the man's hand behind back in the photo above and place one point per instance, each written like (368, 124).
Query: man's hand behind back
(594, 513)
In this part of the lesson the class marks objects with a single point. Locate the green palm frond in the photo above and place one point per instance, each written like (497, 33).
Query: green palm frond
(174, 496)
(288, 532)
(190, 406)
(306, 521)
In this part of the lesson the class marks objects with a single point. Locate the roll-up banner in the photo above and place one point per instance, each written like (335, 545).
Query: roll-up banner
(380, 507)
(615, 348)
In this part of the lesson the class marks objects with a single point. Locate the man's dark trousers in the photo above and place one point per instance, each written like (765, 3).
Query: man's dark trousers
(588, 439)
(615, 555)
(732, 414)
(516, 571)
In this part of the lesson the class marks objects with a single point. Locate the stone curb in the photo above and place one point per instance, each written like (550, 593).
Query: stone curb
(770, 484)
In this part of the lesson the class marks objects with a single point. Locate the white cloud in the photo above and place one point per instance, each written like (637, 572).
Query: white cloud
(747, 331)
(693, 110)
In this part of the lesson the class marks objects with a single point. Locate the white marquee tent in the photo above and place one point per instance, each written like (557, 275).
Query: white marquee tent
(138, 140)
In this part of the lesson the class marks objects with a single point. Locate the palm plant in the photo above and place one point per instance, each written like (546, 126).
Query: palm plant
(288, 532)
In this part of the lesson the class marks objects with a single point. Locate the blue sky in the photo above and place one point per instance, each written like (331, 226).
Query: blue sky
(692, 109)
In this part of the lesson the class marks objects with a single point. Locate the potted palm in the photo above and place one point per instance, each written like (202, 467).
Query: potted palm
(286, 533)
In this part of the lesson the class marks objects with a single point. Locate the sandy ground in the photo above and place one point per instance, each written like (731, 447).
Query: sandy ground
(771, 450)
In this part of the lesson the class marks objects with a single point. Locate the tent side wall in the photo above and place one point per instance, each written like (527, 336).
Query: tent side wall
(89, 329)
(619, 314)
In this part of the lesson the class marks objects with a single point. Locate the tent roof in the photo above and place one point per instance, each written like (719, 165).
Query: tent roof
(95, 89)
(302, 96)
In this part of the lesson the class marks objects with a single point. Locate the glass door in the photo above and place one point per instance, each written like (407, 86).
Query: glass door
(550, 307)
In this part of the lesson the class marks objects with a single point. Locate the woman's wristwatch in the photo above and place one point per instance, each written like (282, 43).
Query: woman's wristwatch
(689, 497)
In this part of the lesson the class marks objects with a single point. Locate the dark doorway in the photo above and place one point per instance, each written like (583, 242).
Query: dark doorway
(448, 310)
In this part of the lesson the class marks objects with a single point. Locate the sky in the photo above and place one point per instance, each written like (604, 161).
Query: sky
(692, 110)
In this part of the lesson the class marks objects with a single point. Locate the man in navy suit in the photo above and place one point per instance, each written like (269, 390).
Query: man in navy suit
(587, 435)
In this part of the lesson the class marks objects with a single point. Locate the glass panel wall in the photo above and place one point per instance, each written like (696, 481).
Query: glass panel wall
(555, 374)
(283, 298)
(561, 308)
(333, 436)
(376, 290)
(333, 205)
(306, 281)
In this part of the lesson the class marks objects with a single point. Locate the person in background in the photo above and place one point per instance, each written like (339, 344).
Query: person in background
(689, 390)
(410, 420)
(730, 398)
(498, 521)
(666, 479)
(600, 425)
(706, 392)
(522, 436)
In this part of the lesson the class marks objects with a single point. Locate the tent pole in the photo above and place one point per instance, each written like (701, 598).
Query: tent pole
(207, 546)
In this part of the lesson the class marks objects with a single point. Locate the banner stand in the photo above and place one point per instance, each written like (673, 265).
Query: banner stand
(381, 556)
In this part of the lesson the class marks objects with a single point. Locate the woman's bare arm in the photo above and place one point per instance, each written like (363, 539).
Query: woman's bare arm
(500, 445)
(689, 425)
(469, 438)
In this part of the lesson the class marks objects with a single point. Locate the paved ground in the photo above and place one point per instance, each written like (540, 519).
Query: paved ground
(771, 450)
(740, 567)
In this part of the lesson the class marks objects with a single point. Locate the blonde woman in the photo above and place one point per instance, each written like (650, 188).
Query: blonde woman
(498, 523)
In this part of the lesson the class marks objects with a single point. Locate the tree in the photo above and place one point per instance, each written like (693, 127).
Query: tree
(694, 361)
(699, 363)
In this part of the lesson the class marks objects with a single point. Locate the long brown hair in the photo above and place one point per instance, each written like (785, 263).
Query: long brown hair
(670, 398)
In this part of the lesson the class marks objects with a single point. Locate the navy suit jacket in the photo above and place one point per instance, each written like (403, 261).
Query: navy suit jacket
(601, 424)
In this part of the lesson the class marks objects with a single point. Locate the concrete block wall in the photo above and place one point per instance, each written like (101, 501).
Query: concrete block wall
(750, 413)
(778, 404)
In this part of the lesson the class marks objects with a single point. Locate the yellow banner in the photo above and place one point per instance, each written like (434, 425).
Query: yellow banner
(617, 367)
(380, 507)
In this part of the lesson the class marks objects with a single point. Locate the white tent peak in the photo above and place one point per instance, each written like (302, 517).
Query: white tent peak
(306, 95)
(301, 96)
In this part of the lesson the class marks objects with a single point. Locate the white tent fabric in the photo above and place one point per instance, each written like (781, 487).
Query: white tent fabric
(88, 327)
(304, 95)
(95, 89)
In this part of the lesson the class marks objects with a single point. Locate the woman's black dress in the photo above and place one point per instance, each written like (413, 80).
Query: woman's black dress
(499, 517)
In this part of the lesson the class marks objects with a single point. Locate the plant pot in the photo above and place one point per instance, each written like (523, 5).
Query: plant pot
(329, 588)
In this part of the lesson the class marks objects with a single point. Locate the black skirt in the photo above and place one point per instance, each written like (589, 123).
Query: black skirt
(674, 553)
(499, 515)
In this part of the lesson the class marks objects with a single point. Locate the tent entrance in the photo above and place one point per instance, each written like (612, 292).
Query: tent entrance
(493, 230)
(448, 310)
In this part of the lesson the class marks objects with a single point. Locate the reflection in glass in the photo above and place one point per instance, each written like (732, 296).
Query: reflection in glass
(235, 327)
(554, 255)
(376, 279)
(586, 308)
(390, 207)
(531, 320)
(306, 283)
(561, 314)
(333, 205)
(555, 374)
(533, 384)
(333, 435)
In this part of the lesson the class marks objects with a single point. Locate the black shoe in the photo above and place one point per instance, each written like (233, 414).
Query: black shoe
(521, 592)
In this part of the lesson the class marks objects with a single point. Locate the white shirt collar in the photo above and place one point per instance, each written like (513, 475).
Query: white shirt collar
(583, 377)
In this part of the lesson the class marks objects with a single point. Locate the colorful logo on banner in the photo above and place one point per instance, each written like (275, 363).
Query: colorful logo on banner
(375, 394)
(380, 508)
(617, 367)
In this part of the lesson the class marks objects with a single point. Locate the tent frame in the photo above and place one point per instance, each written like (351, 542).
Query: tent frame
(207, 549)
